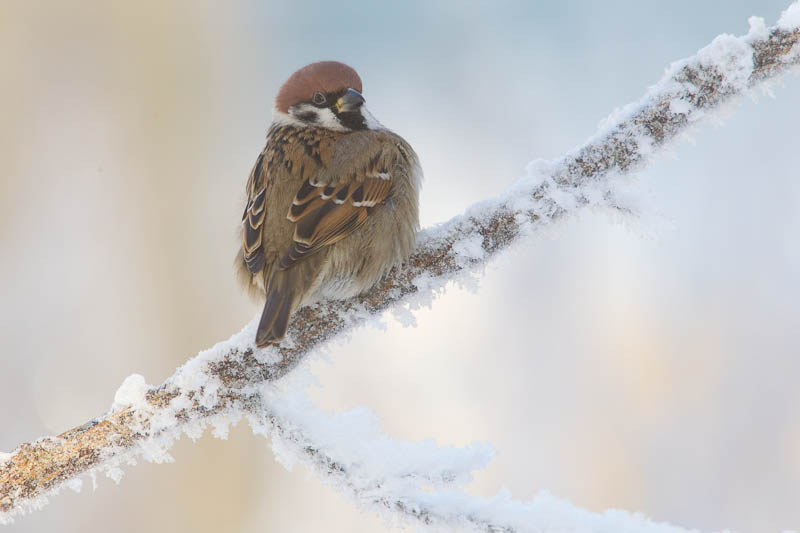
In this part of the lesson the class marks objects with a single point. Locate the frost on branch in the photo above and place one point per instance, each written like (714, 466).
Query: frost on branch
(419, 482)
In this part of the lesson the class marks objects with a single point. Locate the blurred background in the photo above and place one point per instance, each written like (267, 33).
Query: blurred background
(650, 366)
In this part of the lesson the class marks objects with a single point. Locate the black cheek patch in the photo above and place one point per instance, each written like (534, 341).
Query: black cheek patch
(307, 116)
(352, 120)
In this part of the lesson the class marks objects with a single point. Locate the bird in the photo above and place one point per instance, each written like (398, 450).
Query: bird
(332, 199)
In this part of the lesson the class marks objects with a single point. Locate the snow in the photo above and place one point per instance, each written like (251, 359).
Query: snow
(680, 106)
(732, 57)
(381, 474)
(4, 457)
(131, 393)
(790, 18)
(400, 479)
(758, 29)
(74, 485)
(469, 250)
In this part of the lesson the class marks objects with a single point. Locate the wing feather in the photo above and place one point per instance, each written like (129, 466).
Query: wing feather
(329, 207)
(253, 219)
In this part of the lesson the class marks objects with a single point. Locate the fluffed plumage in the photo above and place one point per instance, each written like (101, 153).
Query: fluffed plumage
(332, 200)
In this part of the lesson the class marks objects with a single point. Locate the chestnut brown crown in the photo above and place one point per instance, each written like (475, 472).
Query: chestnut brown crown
(322, 76)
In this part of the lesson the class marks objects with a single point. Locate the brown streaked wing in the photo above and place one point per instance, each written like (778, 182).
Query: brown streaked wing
(253, 219)
(325, 214)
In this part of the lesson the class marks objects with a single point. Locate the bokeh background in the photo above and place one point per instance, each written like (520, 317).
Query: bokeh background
(651, 366)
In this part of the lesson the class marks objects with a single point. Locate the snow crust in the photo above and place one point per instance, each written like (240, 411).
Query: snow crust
(790, 17)
(378, 473)
(758, 28)
(131, 393)
(469, 249)
(400, 480)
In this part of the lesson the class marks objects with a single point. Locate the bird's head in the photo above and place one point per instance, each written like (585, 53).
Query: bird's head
(326, 94)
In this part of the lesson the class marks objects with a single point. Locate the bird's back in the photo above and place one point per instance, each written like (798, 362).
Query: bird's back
(295, 156)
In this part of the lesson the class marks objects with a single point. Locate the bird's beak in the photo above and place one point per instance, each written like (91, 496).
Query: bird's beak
(349, 101)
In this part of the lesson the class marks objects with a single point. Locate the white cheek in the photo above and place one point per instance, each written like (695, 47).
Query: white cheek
(324, 117)
(285, 119)
(327, 119)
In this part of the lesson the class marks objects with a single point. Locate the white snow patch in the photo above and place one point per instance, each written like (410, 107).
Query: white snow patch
(404, 316)
(758, 29)
(420, 478)
(75, 484)
(732, 57)
(790, 18)
(5, 457)
(469, 249)
(220, 425)
(679, 106)
(115, 473)
(132, 393)
(353, 441)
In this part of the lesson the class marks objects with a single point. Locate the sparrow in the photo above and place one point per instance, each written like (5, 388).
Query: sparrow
(332, 199)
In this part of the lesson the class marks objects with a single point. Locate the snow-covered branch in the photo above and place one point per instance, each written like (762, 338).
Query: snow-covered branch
(415, 481)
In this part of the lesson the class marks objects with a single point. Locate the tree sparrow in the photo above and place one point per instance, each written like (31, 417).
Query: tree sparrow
(332, 200)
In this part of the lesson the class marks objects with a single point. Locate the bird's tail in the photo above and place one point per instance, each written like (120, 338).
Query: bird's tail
(283, 297)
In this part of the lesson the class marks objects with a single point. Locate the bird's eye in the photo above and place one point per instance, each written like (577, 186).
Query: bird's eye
(319, 99)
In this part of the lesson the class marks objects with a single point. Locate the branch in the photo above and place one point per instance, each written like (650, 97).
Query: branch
(233, 378)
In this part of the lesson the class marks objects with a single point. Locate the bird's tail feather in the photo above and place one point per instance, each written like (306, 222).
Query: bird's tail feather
(282, 300)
